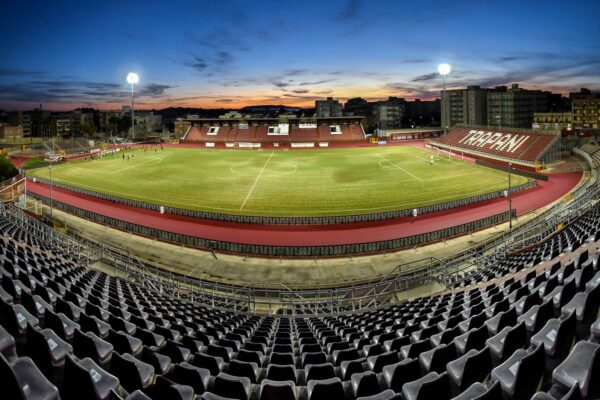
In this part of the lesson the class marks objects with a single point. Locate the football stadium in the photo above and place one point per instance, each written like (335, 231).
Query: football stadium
(442, 247)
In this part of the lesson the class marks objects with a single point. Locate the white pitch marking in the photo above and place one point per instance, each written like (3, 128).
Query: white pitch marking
(256, 180)
(400, 168)
(118, 170)
(156, 158)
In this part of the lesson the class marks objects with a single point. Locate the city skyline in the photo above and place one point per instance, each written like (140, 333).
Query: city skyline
(232, 54)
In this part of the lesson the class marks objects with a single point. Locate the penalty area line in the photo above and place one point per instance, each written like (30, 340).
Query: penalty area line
(256, 181)
(400, 168)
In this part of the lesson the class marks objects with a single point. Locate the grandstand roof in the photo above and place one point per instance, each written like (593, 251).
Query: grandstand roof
(275, 120)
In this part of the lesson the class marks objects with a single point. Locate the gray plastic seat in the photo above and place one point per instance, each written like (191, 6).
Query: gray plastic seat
(277, 390)
(478, 391)
(385, 395)
(326, 389)
(473, 366)
(376, 363)
(503, 344)
(236, 387)
(556, 337)
(520, 374)
(430, 386)
(319, 371)
(86, 380)
(21, 379)
(133, 374)
(187, 374)
(437, 358)
(581, 367)
(364, 384)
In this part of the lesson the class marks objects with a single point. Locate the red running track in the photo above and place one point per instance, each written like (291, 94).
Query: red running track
(321, 235)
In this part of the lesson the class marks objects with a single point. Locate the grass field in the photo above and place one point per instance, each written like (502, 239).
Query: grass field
(283, 183)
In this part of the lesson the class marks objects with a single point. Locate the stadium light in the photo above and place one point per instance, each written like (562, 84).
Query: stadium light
(132, 78)
(444, 69)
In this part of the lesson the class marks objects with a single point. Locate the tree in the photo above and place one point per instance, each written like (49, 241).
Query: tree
(7, 169)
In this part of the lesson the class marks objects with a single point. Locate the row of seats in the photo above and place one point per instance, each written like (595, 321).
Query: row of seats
(594, 151)
(537, 148)
(584, 229)
(70, 331)
(530, 151)
(259, 134)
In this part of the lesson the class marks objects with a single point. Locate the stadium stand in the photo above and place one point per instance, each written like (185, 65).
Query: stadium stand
(519, 147)
(196, 134)
(586, 228)
(337, 133)
(71, 331)
(243, 135)
(304, 134)
(594, 151)
(357, 131)
(262, 134)
(344, 129)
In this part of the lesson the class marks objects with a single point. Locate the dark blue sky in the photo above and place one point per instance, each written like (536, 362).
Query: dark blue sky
(232, 53)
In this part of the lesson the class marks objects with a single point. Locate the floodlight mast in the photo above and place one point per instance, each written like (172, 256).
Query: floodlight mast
(132, 78)
(444, 69)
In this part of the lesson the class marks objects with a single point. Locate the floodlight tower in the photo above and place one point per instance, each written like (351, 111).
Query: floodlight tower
(132, 78)
(444, 69)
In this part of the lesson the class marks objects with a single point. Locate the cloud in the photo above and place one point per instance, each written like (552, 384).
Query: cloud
(19, 72)
(315, 82)
(77, 91)
(279, 84)
(198, 63)
(295, 72)
(426, 77)
(510, 58)
(300, 91)
(215, 50)
(154, 90)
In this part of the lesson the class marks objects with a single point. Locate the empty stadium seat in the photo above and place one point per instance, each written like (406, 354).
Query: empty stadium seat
(581, 367)
(521, 373)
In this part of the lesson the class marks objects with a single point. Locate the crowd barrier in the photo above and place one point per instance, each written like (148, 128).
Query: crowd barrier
(283, 251)
(269, 220)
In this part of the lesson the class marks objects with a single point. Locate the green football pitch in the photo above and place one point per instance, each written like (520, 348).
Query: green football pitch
(283, 183)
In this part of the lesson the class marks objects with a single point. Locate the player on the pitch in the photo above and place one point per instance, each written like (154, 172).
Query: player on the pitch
(431, 159)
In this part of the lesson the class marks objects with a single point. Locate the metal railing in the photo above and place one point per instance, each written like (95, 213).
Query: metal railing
(270, 220)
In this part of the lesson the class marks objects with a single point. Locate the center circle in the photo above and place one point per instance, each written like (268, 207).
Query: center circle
(273, 169)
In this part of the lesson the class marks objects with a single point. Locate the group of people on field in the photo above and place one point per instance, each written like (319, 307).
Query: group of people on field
(143, 148)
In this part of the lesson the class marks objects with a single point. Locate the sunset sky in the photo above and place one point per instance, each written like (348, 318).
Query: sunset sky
(227, 53)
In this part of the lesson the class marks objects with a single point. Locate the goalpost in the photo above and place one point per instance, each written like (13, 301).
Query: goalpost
(441, 152)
